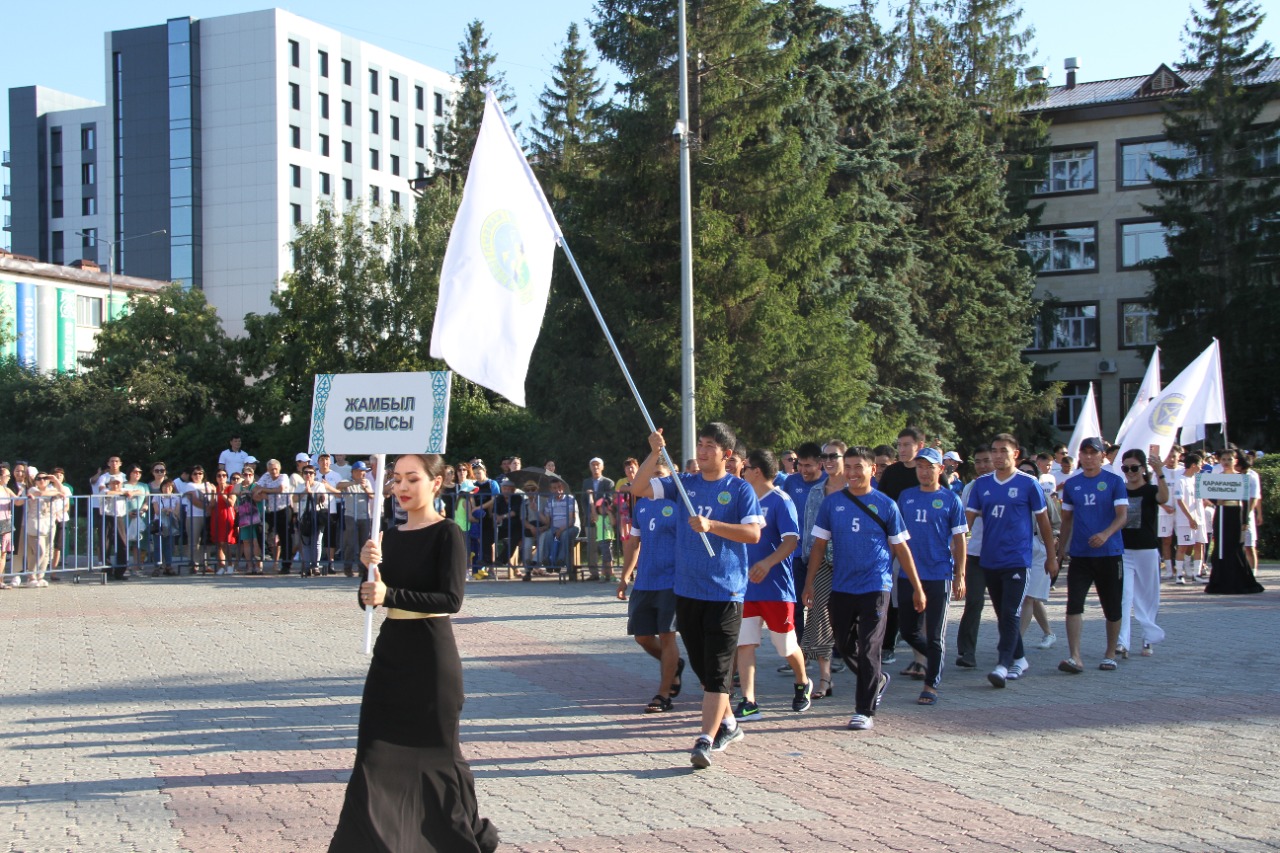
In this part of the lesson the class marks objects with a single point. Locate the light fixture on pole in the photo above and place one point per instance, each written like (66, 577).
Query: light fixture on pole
(111, 259)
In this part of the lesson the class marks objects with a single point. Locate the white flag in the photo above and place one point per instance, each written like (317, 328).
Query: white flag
(1167, 413)
(1087, 425)
(1208, 405)
(497, 267)
(1147, 391)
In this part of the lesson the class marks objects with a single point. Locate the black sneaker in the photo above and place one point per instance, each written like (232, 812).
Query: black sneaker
(746, 710)
(965, 663)
(724, 737)
(803, 697)
(785, 669)
(884, 685)
(700, 756)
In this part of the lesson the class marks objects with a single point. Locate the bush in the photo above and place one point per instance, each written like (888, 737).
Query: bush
(1268, 468)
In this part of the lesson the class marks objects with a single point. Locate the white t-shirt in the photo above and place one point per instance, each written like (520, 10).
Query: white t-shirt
(233, 461)
(114, 504)
(274, 502)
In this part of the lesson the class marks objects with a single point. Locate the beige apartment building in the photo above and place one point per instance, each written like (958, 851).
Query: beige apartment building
(1094, 233)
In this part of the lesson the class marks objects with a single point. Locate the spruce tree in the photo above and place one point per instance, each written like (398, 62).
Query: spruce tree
(570, 119)
(1220, 198)
(475, 70)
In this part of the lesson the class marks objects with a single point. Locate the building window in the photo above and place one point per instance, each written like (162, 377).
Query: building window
(1267, 153)
(325, 186)
(346, 72)
(1138, 326)
(395, 89)
(59, 247)
(89, 206)
(88, 174)
(373, 82)
(88, 138)
(395, 199)
(89, 311)
(1137, 161)
(1070, 405)
(55, 141)
(1141, 242)
(57, 211)
(324, 145)
(324, 62)
(373, 159)
(346, 151)
(1066, 327)
(324, 105)
(295, 96)
(419, 98)
(373, 121)
(1064, 249)
(1071, 170)
(440, 139)
(395, 164)
(89, 237)
(439, 107)
(395, 127)
(295, 136)
(297, 213)
(295, 54)
(1128, 393)
(348, 189)
(346, 113)
(375, 196)
(422, 170)
(55, 176)
(421, 133)
(295, 174)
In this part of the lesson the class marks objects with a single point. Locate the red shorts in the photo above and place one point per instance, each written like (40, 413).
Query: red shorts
(779, 616)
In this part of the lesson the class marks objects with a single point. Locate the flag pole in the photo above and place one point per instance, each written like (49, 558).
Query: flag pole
(635, 392)
(375, 530)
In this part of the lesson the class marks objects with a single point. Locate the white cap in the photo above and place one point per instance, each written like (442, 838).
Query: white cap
(302, 457)
(595, 459)
(951, 454)
(32, 470)
(251, 460)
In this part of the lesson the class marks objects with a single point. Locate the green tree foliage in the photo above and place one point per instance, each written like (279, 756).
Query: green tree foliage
(570, 108)
(475, 69)
(1220, 198)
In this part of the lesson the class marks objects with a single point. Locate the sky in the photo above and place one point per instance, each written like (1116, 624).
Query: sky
(1111, 38)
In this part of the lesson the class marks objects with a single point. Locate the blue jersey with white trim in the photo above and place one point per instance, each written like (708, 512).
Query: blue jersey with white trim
(1008, 509)
(932, 519)
(1092, 502)
(861, 552)
(730, 500)
(779, 523)
(653, 522)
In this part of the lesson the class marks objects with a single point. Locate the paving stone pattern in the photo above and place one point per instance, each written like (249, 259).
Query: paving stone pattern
(219, 714)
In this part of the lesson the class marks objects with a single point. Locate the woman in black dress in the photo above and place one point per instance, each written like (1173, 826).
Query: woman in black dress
(1231, 573)
(411, 789)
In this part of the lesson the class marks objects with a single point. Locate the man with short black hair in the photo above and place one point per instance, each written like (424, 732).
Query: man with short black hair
(709, 589)
(808, 473)
(233, 458)
(896, 479)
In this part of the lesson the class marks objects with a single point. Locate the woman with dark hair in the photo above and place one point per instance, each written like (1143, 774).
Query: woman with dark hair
(411, 789)
(1141, 535)
(1231, 573)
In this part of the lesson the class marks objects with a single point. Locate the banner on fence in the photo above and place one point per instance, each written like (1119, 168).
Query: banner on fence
(355, 413)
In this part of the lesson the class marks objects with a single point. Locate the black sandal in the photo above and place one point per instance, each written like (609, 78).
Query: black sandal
(678, 683)
(820, 693)
(658, 704)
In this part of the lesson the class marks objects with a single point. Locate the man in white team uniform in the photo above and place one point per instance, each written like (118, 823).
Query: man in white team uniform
(1168, 511)
(1190, 529)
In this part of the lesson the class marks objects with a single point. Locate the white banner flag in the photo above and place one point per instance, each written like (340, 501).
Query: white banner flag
(1147, 391)
(497, 267)
(1087, 425)
(1167, 413)
(1208, 406)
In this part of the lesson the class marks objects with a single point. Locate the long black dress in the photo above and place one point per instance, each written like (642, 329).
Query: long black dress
(1230, 574)
(411, 789)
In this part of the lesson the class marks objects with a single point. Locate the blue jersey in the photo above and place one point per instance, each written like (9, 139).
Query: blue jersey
(654, 524)
(1008, 509)
(779, 522)
(1092, 502)
(932, 519)
(729, 500)
(861, 556)
(798, 490)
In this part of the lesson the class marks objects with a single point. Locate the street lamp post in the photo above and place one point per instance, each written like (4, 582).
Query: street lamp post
(111, 259)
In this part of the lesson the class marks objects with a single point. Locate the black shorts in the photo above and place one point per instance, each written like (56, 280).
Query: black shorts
(710, 633)
(1105, 573)
(651, 612)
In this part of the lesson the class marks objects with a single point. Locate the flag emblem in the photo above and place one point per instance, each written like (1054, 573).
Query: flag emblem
(1165, 416)
(503, 248)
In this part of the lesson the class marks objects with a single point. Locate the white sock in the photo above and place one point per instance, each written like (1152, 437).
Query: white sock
(729, 723)
(1198, 566)
(1022, 663)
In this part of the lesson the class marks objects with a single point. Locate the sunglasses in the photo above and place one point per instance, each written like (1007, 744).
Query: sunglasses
(1131, 469)
(157, 470)
(831, 457)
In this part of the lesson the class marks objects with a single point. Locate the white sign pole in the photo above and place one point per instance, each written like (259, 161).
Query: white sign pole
(375, 532)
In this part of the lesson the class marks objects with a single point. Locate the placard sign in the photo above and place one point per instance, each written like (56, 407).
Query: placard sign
(1223, 487)
(354, 413)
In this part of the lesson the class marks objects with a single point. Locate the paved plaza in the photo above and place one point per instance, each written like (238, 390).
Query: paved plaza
(219, 714)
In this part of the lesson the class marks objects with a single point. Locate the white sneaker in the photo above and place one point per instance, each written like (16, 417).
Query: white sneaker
(998, 676)
(1048, 641)
(1018, 669)
(861, 723)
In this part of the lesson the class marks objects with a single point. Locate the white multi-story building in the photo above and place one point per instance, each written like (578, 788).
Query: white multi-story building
(222, 133)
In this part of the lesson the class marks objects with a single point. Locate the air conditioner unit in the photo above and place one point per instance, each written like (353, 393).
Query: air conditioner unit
(1107, 365)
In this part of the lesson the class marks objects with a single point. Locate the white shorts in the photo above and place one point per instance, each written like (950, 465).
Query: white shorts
(1037, 577)
(1187, 536)
(1166, 520)
(1250, 536)
(751, 632)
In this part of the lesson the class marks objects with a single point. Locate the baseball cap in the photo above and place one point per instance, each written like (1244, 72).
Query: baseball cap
(596, 459)
(930, 454)
(359, 466)
(952, 455)
(1094, 443)
(32, 470)
(302, 457)
(251, 460)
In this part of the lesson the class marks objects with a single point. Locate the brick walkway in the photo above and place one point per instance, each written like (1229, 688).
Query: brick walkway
(218, 714)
